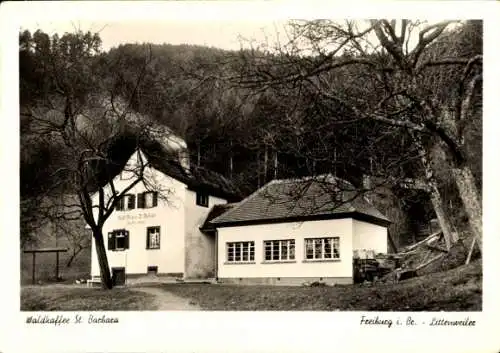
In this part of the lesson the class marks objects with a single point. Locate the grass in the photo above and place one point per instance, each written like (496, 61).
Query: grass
(72, 298)
(459, 289)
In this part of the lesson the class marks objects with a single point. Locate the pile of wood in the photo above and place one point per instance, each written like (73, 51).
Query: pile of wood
(407, 263)
(416, 257)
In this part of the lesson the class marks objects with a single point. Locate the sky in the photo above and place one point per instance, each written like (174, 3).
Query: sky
(226, 34)
(220, 24)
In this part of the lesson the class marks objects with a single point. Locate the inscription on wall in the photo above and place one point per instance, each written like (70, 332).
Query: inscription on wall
(137, 218)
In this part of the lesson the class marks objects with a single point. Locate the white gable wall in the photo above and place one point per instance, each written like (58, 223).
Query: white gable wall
(368, 236)
(341, 268)
(200, 247)
(168, 215)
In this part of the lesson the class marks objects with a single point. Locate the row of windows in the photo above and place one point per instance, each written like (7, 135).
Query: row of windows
(149, 199)
(119, 239)
(284, 250)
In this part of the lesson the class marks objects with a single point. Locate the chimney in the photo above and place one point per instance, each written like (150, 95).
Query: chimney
(184, 159)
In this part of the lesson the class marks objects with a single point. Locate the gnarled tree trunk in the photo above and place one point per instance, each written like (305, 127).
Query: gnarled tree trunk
(471, 200)
(106, 280)
(435, 195)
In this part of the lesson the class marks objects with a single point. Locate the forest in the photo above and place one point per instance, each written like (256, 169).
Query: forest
(400, 121)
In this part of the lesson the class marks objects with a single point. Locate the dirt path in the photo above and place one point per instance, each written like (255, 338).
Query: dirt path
(165, 301)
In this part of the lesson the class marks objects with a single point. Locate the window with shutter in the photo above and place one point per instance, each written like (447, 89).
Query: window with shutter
(119, 204)
(111, 241)
(130, 202)
(140, 200)
(126, 240)
(118, 239)
(126, 202)
(150, 199)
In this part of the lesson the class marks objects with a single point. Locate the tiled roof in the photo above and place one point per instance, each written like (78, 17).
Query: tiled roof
(167, 162)
(296, 199)
(215, 212)
(195, 178)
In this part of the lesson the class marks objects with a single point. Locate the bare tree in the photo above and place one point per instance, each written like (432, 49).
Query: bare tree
(83, 116)
(379, 72)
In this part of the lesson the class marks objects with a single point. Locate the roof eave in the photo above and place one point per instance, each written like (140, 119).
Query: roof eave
(354, 215)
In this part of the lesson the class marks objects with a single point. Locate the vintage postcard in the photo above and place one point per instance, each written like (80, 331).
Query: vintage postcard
(236, 176)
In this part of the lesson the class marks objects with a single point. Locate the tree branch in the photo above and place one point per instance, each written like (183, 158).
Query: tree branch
(425, 39)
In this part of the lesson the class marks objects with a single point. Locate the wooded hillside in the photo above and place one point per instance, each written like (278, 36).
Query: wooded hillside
(256, 115)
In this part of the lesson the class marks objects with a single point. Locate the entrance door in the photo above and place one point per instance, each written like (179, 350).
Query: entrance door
(118, 276)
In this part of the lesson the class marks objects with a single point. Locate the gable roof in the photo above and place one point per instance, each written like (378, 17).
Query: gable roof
(196, 178)
(301, 199)
(166, 161)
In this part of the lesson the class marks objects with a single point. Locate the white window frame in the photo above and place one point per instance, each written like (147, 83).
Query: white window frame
(239, 246)
(270, 245)
(323, 254)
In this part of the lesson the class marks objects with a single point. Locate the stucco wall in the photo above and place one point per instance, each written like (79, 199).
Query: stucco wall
(369, 236)
(168, 214)
(341, 228)
(200, 248)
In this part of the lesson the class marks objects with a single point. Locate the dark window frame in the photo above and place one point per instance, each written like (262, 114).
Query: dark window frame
(148, 238)
(113, 237)
(202, 198)
(142, 197)
(126, 202)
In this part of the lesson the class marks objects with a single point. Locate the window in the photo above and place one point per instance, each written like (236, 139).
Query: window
(279, 250)
(148, 199)
(240, 252)
(153, 238)
(126, 202)
(118, 240)
(201, 199)
(322, 248)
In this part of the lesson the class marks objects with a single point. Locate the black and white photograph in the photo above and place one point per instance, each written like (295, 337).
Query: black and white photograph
(316, 164)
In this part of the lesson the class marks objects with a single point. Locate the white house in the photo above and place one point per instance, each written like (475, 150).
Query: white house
(293, 231)
(155, 227)
(287, 232)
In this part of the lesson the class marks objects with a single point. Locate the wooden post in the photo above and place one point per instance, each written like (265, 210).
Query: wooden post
(33, 270)
(57, 266)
